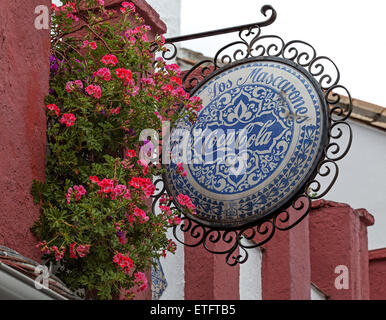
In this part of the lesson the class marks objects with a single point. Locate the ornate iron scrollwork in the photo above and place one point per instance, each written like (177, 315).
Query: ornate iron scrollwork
(252, 44)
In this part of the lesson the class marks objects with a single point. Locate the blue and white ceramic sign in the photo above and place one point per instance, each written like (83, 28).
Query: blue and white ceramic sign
(256, 141)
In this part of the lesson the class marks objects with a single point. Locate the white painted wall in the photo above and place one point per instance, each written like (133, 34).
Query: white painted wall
(250, 275)
(170, 13)
(316, 294)
(249, 282)
(362, 179)
(173, 266)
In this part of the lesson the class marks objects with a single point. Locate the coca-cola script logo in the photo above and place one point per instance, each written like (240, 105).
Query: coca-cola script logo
(245, 135)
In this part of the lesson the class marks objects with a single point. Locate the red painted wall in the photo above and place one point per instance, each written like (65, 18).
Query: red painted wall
(24, 69)
(207, 275)
(338, 236)
(151, 17)
(286, 269)
(377, 260)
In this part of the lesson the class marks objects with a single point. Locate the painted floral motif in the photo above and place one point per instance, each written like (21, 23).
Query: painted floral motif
(269, 135)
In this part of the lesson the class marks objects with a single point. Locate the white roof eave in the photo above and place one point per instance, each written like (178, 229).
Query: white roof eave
(16, 286)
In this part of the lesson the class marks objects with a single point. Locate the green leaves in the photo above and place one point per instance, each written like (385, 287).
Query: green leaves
(37, 190)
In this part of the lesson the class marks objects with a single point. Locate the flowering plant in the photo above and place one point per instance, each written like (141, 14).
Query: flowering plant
(104, 89)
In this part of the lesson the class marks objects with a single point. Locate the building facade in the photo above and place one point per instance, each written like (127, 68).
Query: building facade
(325, 257)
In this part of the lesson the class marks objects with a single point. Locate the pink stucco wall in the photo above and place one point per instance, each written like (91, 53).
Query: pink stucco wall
(338, 237)
(207, 275)
(286, 270)
(151, 17)
(24, 69)
(377, 260)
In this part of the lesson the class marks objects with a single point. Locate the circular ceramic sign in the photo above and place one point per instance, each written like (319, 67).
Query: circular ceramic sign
(256, 142)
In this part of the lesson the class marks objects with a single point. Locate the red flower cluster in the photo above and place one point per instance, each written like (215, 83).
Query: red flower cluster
(166, 209)
(195, 104)
(68, 119)
(72, 85)
(174, 68)
(171, 219)
(103, 73)
(79, 192)
(107, 186)
(131, 34)
(141, 215)
(165, 199)
(145, 166)
(172, 247)
(185, 201)
(114, 110)
(44, 248)
(124, 261)
(145, 184)
(93, 44)
(180, 169)
(109, 59)
(131, 154)
(125, 74)
(140, 280)
(94, 90)
(67, 8)
(82, 250)
(120, 190)
(73, 251)
(59, 253)
(54, 107)
(129, 5)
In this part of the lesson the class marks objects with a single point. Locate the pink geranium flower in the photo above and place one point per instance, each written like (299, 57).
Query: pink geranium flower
(129, 5)
(131, 154)
(68, 119)
(94, 90)
(123, 73)
(140, 280)
(103, 73)
(185, 201)
(109, 59)
(54, 107)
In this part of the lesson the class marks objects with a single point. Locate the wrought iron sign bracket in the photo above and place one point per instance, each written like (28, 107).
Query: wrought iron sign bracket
(271, 19)
(267, 85)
